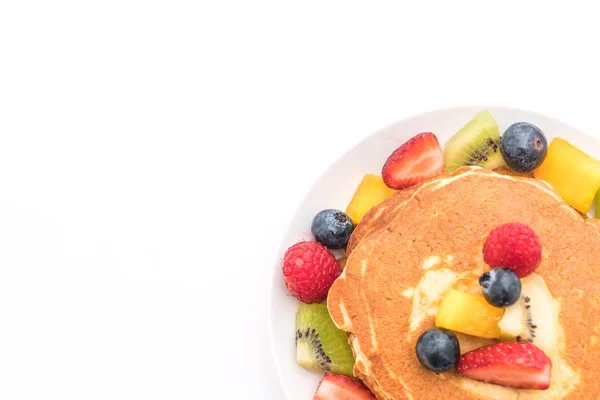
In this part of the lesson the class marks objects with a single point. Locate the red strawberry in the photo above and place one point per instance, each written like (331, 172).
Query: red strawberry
(415, 161)
(515, 365)
(515, 246)
(340, 387)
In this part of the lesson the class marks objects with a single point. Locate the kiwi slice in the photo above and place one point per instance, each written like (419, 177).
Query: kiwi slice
(534, 317)
(320, 345)
(476, 143)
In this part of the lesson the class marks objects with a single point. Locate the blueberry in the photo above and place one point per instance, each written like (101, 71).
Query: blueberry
(438, 350)
(523, 146)
(332, 228)
(501, 287)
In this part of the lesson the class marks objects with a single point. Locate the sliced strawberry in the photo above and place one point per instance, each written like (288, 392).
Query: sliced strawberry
(415, 161)
(516, 365)
(340, 387)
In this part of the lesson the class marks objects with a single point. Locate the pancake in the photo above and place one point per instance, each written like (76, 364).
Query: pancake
(379, 216)
(395, 278)
(384, 213)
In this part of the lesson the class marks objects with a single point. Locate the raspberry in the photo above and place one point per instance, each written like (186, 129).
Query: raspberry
(309, 270)
(515, 246)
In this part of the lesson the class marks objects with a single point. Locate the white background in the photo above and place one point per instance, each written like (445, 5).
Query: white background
(153, 152)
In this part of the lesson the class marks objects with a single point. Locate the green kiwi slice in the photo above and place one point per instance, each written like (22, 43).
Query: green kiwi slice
(476, 143)
(320, 345)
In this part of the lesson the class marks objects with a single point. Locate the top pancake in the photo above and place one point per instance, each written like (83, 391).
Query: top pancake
(381, 215)
(395, 278)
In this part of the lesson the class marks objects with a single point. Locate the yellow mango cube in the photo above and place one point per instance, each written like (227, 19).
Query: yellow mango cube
(469, 313)
(574, 174)
(370, 192)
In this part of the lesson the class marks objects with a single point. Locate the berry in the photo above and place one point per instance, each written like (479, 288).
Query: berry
(501, 287)
(514, 246)
(438, 350)
(415, 161)
(515, 365)
(332, 228)
(309, 270)
(523, 147)
(340, 387)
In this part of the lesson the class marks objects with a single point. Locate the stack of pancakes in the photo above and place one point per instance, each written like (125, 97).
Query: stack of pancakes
(410, 249)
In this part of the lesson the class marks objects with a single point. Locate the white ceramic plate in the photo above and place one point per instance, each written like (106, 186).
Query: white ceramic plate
(335, 189)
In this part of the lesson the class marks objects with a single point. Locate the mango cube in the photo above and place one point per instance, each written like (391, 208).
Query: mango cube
(469, 313)
(370, 192)
(574, 174)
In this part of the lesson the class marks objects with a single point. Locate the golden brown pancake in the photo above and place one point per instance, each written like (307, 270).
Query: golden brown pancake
(381, 215)
(395, 278)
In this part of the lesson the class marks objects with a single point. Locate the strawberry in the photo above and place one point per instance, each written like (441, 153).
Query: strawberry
(515, 365)
(415, 161)
(340, 387)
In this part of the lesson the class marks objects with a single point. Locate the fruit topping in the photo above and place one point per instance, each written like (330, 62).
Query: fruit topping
(417, 160)
(332, 228)
(534, 317)
(469, 313)
(574, 174)
(320, 345)
(370, 192)
(309, 270)
(515, 365)
(523, 146)
(514, 246)
(340, 387)
(438, 350)
(501, 287)
(476, 143)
